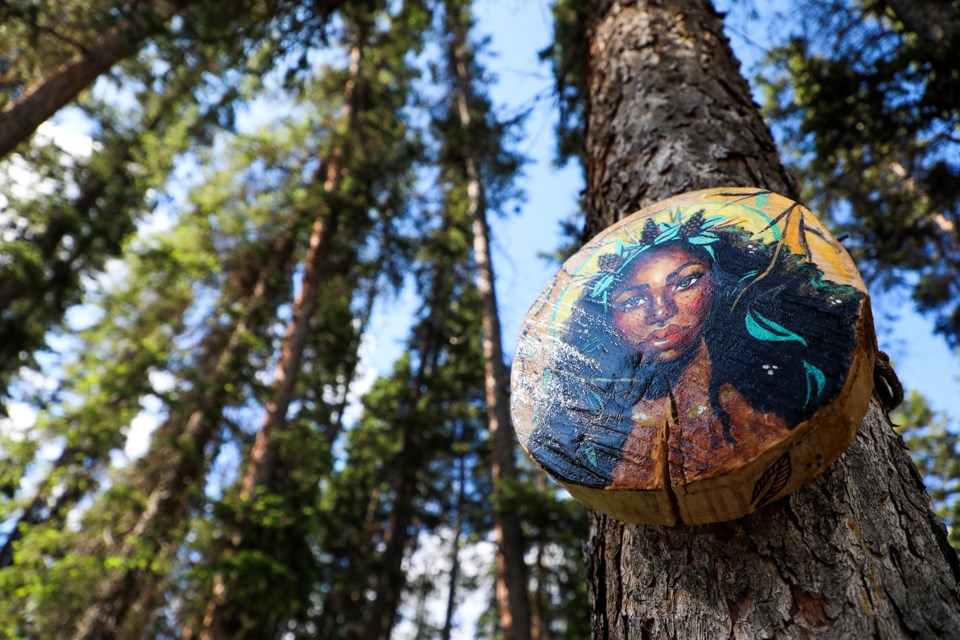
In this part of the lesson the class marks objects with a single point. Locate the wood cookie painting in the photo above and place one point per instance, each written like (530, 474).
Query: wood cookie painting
(697, 360)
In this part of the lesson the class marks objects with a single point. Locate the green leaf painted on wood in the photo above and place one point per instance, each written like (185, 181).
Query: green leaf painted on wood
(601, 285)
(763, 328)
(814, 377)
(668, 233)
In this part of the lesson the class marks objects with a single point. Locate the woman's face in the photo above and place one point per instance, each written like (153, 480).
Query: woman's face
(662, 305)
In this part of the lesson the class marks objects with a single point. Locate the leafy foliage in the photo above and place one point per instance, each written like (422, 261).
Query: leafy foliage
(865, 95)
(934, 447)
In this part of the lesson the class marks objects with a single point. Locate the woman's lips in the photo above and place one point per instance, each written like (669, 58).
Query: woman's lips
(664, 338)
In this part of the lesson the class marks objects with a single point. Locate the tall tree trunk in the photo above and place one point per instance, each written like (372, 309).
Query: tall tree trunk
(37, 103)
(855, 553)
(181, 462)
(264, 457)
(513, 600)
(390, 579)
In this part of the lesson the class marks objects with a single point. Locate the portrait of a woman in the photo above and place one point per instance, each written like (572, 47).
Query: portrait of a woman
(692, 341)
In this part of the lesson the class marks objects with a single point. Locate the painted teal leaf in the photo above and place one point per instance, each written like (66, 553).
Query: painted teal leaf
(668, 234)
(818, 282)
(594, 400)
(701, 240)
(765, 329)
(591, 455)
(601, 285)
(816, 376)
(711, 222)
(710, 251)
(748, 274)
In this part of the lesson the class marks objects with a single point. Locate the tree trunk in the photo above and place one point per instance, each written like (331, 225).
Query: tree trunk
(37, 103)
(390, 579)
(856, 552)
(512, 596)
(513, 600)
(539, 621)
(454, 576)
(264, 457)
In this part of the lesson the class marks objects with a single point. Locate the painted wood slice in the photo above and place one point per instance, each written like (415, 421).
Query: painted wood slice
(697, 360)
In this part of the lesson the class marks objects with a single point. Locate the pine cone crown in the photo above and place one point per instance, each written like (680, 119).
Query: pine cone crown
(610, 263)
(693, 226)
(649, 233)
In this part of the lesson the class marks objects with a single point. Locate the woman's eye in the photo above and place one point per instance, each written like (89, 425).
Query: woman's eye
(688, 281)
(631, 303)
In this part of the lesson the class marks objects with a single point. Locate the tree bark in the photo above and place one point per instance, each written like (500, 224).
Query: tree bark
(37, 103)
(857, 551)
(667, 110)
(513, 600)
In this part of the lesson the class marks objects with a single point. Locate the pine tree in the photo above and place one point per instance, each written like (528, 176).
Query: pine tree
(865, 94)
(933, 445)
(369, 157)
(75, 55)
(475, 158)
(667, 111)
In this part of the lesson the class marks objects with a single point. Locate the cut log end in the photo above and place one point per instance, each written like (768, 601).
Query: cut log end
(696, 361)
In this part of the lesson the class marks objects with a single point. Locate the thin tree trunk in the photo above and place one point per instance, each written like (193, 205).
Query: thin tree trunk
(264, 457)
(37, 103)
(539, 622)
(512, 595)
(183, 465)
(363, 322)
(856, 553)
(454, 576)
(390, 579)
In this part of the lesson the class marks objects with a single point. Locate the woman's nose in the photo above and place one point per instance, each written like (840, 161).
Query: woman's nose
(662, 308)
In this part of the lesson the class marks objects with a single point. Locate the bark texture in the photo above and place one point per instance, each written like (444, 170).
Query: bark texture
(667, 110)
(855, 553)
